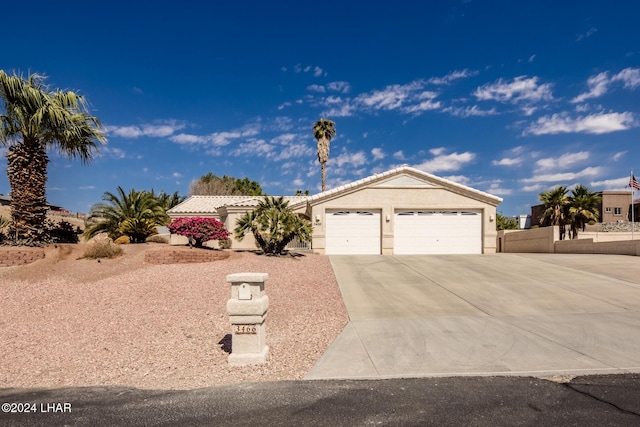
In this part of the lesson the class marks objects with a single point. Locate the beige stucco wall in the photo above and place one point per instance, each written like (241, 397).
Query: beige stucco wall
(534, 240)
(588, 246)
(389, 199)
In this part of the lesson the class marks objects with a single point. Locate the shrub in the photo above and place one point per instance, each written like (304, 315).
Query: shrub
(199, 229)
(62, 232)
(225, 243)
(103, 248)
(122, 240)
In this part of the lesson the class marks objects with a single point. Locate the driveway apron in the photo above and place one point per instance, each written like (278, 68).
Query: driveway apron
(503, 314)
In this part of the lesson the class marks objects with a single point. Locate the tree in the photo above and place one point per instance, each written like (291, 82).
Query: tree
(136, 214)
(505, 223)
(323, 132)
(273, 225)
(583, 207)
(34, 120)
(199, 229)
(556, 203)
(168, 201)
(212, 185)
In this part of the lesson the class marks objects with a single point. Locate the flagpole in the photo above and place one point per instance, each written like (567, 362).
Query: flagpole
(633, 220)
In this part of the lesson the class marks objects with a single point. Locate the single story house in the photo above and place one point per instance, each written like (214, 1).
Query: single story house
(402, 211)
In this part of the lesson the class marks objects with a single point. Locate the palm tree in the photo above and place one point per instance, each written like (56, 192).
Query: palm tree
(323, 131)
(273, 225)
(34, 120)
(583, 207)
(555, 207)
(135, 215)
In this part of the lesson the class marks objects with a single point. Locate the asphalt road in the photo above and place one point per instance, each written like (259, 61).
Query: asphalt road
(612, 400)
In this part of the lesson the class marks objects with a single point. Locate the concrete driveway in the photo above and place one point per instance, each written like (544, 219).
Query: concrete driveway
(504, 314)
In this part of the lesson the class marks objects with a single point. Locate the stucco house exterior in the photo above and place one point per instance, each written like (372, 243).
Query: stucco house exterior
(401, 211)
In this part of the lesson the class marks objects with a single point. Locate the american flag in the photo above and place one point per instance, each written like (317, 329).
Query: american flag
(633, 183)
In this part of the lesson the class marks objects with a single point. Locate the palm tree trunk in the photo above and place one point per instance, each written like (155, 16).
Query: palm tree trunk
(324, 175)
(27, 172)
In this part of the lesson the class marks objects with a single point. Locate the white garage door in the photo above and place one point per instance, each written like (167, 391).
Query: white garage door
(352, 232)
(437, 232)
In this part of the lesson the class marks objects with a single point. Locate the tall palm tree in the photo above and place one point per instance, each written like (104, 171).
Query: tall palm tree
(555, 202)
(583, 207)
(34, 120)
(323, 131)
(135, 214)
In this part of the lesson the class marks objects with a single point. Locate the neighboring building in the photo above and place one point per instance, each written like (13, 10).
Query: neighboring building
(401, 211)
(615, 206)
(524, 221)
(6, 201)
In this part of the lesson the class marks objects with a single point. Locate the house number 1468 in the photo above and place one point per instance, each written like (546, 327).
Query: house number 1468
(245, 329)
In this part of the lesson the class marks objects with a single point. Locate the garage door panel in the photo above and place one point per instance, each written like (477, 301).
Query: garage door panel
(437, 232)
(352, 232)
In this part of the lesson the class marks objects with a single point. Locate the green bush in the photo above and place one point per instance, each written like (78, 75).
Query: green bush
(102, 249)
(62, 232)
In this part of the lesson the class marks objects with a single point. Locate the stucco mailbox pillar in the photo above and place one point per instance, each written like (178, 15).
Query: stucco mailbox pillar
(247, 311)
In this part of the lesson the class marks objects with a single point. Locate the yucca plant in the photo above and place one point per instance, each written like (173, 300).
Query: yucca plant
(273, 224)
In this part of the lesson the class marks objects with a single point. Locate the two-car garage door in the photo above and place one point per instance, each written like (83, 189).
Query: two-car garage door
(414, 232)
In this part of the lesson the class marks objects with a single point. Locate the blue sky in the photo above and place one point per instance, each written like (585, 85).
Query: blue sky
(511, 98)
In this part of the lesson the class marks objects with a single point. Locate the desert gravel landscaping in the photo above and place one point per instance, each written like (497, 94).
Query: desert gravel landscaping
(66, 321)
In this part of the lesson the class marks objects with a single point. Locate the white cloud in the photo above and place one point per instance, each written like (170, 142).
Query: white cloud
(562, 162)
(378, 154)
(176, 175)
(520, 89)
(113, 152)
(618, 155)
(600, 83)
(446, 162)
(589, 33)
(316, 88)
(565, 176)
(453, 75)
(399, 155)
(508, 161)
(534, 187)
(612, 184)
(317, 71)
(351, 159)
(593, 124)
(163, 129)
(342, 87)
(391, 97)
(284, 105)
(256, 147)
(460, 179)
(597, 87)
(629, 76)
(469, 111)
(496, 190)
(216, 139)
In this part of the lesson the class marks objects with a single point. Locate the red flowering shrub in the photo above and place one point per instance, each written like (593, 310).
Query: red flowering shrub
(199, 229)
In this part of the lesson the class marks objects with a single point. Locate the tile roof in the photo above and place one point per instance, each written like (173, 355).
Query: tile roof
(210, 204)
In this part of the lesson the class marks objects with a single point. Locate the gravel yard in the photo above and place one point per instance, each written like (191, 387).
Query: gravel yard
(66, 321)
